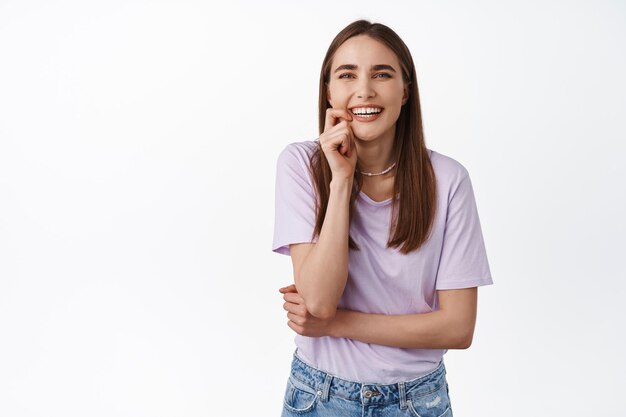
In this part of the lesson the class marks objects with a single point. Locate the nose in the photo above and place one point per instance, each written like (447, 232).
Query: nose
(364, 88)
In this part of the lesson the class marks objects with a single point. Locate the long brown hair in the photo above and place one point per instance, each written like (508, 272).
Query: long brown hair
(413, 213)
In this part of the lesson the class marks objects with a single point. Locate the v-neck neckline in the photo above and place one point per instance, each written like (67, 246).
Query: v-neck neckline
(372, 201)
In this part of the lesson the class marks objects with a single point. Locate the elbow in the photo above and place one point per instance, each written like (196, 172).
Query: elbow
(464, 340)
(466, 343)
(321, 311)
(320, 308)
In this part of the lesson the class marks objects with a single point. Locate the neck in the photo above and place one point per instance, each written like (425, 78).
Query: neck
(375, 155)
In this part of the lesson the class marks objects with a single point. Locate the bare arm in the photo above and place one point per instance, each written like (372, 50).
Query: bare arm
(321, 269)
(450, 327)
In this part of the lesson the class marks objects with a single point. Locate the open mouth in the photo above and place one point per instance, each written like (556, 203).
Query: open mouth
(366, 112)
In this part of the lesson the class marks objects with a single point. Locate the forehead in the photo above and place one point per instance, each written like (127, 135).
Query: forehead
(364, 51)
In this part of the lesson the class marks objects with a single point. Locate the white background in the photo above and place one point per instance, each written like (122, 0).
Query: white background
(138, 142)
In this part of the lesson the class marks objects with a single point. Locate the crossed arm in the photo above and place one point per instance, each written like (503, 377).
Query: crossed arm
(450, 327)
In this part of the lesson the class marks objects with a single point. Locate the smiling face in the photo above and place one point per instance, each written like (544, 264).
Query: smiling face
(366, 78)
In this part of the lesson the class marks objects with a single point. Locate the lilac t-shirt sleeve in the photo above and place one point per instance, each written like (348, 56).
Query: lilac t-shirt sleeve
(294, 212)
(463, 262)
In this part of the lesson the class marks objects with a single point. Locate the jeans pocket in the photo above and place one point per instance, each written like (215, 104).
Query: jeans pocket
(433, 404)
(300, 397)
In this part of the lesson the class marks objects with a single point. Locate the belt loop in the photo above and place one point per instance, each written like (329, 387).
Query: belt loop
(401, 388)
(326, 387)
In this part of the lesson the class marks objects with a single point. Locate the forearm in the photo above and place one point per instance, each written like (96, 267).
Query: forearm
(324, 273)
(435, 330)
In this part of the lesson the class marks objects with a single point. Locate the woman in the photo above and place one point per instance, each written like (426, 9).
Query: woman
(385, 241)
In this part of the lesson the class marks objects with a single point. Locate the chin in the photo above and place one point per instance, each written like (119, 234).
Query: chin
(365, 131)
(364, 138)
(367, 135)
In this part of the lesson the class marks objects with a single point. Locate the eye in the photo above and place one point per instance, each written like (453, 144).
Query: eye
(383, 73)
(345, 73)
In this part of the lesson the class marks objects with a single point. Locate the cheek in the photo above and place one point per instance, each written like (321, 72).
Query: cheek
(338, 103)
(338, 96)
(393, 112)
(397, 110)
(394, 94)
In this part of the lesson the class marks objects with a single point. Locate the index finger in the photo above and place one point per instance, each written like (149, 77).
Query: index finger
(333, 116)
(289, 288)
(293, 297)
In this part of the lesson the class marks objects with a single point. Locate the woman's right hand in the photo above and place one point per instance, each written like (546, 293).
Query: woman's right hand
(337, 143)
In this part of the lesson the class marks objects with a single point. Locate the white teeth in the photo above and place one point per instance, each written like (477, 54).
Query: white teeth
(366, 110)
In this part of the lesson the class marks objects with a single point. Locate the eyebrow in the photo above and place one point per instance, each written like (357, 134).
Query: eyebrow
(373, 68)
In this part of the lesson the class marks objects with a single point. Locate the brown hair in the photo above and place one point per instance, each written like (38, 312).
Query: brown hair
(412, 216)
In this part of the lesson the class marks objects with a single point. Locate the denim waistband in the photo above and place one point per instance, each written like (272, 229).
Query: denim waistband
(327, 384)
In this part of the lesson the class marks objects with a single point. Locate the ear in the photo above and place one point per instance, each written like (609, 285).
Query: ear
(405, 96)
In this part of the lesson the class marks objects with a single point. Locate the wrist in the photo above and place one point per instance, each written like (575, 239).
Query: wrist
(341, 183)
(335, 328)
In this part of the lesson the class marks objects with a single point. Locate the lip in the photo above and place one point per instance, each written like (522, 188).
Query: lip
(376, 106)
(367, 119)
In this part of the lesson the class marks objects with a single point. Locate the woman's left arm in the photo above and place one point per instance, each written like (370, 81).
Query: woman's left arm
(450, 327)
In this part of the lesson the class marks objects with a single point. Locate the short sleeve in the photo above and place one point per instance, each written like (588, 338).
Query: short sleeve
(295, 199)
(463, 262)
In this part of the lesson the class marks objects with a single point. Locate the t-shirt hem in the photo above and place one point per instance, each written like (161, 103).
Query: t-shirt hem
(453, 285)
(370, 380)
(283, 247)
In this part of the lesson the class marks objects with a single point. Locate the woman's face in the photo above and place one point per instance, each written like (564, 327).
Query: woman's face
(365, 74)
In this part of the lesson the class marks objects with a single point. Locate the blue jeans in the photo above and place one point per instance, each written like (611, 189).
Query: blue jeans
(313, 392)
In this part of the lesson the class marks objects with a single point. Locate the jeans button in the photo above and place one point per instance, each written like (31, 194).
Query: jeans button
(368, 394)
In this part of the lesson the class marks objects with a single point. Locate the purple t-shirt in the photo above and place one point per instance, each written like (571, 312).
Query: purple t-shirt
(382, 280)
